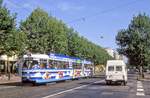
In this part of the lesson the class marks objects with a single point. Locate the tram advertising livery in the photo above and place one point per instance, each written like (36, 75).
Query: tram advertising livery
(42, 68)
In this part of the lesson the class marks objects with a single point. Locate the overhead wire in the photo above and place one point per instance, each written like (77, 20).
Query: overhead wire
(83, 18)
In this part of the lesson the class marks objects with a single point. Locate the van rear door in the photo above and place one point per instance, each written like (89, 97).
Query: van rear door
(119, 72)
(110, 71)
(115, 72)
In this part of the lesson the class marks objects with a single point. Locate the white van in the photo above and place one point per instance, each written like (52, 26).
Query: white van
(116, 71)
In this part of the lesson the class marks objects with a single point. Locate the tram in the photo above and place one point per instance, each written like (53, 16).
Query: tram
(42, 68)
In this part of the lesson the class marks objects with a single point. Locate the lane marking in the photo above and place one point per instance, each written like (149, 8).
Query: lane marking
(69, 90)
(99, 81)
(6, 87)
(139, 86)
(107, 93)
(140, 90)
(140, 94)
(64, 91)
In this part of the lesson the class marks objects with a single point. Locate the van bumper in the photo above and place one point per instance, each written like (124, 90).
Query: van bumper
(113, 80)
(124, 82)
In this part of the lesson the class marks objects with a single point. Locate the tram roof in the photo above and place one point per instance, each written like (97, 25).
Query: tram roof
(58, 57)
(62, 57)
(40, 56)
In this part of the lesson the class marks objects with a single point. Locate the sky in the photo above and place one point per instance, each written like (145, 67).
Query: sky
(97, 20)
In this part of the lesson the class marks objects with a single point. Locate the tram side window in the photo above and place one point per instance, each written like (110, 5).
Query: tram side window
(43, 63)
(66, 65)
(87, 66)
(52, 64)
(77, 66)
(58, 65)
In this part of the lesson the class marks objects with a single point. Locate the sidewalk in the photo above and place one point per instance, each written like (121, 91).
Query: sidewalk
(147, 76)
(14, 78)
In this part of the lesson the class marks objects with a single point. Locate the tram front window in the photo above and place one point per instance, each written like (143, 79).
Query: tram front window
(30, 64)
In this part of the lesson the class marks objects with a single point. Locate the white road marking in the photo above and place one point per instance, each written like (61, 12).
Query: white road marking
(69, 90)
(139, 82)
(140, 90)
(99, 81)
(139, 86)
(107, 93)
(6, 87)
(140, 94)
(64, 91)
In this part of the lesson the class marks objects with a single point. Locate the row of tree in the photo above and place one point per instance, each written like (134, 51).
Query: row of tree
(134, 42)
(45, 34)
(42, 33)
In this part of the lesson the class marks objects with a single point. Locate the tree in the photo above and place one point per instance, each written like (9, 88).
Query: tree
(36, 29)
(134, 42)
(12, 41)
(58, 36)
(7, 25)
(45, 33)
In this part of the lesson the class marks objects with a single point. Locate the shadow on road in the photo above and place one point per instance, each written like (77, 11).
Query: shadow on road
(12, 84)
(101, 83)
(98, 76)
(18, 84)
(85, 83)
(104, 84)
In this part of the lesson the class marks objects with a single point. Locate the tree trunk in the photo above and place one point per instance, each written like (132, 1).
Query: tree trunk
(94, 69)
(141, 74)
(5, 67)
(8, 67)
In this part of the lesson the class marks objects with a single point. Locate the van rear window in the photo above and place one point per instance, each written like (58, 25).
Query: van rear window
(118, 68)
(111, 68)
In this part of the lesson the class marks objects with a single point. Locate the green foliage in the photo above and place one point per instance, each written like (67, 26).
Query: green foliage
(12, 42)
(81, 47)
(36, 27)
(47, 34)
(41, 33)
(134, 41)
(7, 27)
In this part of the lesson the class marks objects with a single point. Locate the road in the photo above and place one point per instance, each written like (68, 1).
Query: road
(83, 88)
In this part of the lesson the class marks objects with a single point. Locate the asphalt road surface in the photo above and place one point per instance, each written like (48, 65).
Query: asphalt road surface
(83, 88)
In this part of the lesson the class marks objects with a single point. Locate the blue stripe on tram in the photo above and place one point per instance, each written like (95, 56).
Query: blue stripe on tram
(51, 80)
